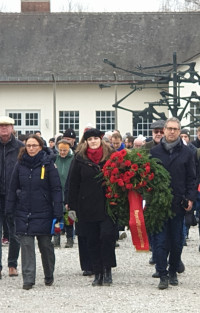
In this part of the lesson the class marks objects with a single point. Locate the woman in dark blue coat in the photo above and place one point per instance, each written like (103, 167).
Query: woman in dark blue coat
(35, 199)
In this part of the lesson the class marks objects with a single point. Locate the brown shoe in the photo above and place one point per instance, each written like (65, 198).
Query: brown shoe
(12, 272)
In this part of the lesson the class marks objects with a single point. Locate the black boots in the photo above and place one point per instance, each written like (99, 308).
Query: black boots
(107, 277)
(104, 279)
(98, 280)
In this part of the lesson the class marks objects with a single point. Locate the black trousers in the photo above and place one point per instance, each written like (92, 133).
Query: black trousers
(84, 255)
(101, 237)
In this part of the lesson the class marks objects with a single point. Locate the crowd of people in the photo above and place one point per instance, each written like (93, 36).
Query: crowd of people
(46, 185)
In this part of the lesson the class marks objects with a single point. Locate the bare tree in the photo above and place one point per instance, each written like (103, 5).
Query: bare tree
(180, 5)
(73, 6)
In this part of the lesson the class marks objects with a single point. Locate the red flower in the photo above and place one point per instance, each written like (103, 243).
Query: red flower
(116, 195)
(115, 171)
(140, 156)
(112, 179)
(113, 155)
(129, 186)
(120, 159)
(151, 176)
(120, 182)
(113, 164)
(127, 163)
(106, 173)
(123, 152)
(108, 195)
(134, 167)
(113, 203)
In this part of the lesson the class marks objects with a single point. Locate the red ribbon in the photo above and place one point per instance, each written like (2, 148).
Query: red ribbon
(137, 223)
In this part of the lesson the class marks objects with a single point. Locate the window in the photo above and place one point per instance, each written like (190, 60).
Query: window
(105, 120)
(26, 122)
(195, 112)
(69, 119)
(141, 126)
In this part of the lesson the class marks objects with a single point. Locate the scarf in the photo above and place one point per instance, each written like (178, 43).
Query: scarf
(95, 155)
(169, 146)
(32, 162)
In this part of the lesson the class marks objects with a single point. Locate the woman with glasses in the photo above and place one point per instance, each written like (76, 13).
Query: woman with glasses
(35, 199)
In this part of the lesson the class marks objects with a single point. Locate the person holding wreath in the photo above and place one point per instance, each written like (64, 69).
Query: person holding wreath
(87, 197)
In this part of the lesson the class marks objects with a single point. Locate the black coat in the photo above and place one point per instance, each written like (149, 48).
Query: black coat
(86, 195)
(181, 166)
(8, 159)
(35, 201)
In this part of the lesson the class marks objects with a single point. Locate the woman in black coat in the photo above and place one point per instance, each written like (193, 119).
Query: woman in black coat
(35, 199)
(87, 196)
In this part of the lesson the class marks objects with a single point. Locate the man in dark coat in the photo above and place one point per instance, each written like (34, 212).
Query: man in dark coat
(177, 158)
(9, 149)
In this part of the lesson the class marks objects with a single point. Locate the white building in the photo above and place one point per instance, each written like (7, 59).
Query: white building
(51, 65)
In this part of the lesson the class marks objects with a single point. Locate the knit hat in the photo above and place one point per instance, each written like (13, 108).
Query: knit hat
(185, 131)
(93, 132)
(70, 133)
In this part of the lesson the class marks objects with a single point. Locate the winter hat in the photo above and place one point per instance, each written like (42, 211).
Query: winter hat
(7, 120)
(70, 133)
(186, 132)
(158, 124)
(93, 132)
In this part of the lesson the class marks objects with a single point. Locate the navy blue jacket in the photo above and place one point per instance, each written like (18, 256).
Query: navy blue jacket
(181, 166)
(35, 201)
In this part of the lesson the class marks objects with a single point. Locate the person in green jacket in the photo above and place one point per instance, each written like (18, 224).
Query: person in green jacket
(63, 162)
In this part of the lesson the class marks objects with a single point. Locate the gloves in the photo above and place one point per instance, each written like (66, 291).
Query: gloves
(72, 215)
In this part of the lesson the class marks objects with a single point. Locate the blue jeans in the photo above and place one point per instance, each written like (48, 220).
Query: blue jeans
(169, 241)
(14, 245)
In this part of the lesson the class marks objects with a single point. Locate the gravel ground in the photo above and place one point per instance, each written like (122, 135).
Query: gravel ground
(133, 289)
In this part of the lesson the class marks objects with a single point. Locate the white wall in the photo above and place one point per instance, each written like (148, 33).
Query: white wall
(82, 97)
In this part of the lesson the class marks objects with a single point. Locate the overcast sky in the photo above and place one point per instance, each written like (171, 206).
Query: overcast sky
(92, 5)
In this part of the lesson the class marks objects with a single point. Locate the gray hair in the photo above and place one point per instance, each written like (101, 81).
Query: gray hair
(173, 119)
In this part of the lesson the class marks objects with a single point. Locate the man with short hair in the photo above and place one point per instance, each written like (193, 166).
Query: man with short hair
(9, 149)
(179, 162)
(129, 141)
(116, 141)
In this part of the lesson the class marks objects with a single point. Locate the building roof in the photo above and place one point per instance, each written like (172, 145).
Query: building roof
(72, 46)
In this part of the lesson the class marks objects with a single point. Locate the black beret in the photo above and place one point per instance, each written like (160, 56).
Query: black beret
(70, 133)
(157, 124)
(93, 132)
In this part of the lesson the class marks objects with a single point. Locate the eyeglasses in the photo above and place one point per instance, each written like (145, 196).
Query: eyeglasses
(170, 129)
(33, 146)
(157, 131)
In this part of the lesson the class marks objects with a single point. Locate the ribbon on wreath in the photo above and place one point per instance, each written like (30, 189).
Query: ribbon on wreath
(136, 222)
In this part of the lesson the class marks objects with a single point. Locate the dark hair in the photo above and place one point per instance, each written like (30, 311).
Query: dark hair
(23, 149)
(37, 131)
(22, 137)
